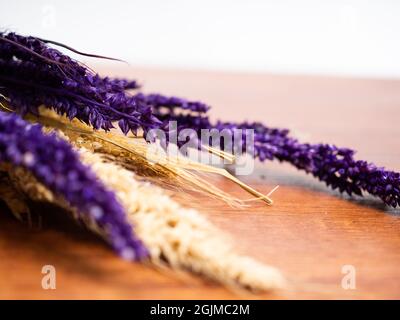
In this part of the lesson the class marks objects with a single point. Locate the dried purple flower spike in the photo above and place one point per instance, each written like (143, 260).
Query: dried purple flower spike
(54, 163)
(34, 74)
(335, 166)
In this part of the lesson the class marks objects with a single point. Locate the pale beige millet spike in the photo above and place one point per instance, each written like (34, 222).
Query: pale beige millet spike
(180, 236)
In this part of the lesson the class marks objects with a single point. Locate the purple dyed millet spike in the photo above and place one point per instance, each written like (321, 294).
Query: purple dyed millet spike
(335, 166)
(55, 164)
(61, 83)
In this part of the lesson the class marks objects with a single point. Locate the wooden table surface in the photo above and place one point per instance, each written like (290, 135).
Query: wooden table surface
(310, 232)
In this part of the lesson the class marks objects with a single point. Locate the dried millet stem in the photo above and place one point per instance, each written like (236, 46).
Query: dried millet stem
(26, 186)
(180, 236)
(13, 198)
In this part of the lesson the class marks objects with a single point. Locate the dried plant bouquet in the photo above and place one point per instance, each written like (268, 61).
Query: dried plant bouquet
(85, 143)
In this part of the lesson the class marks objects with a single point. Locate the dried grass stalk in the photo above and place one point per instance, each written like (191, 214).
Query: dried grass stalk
(176, 171)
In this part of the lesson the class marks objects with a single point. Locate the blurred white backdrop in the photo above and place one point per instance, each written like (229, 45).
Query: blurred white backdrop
(350, 38)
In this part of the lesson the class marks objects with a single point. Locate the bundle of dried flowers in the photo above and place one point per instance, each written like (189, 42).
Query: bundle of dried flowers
(45, 168)
(105, 194)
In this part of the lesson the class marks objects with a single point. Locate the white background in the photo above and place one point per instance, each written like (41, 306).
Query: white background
(350, 38)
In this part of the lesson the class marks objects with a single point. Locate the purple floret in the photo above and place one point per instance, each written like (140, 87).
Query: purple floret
(158, 101)
(55, 164)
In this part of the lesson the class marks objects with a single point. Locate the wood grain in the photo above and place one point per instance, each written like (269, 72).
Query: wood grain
(309, 233)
